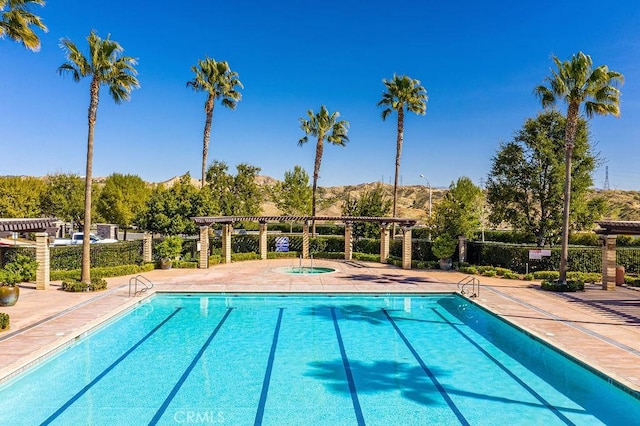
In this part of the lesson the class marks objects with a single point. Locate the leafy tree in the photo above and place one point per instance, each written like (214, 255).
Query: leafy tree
(20, 196)
(525, 185)
(402, 93)
(122, 199)
(577, 82)
(238, 195)
(169, 210)
(323, 126)
(105, 65)
(459, 211)
(17, 20)
(372, 203)
(217, 79)
(64, 197)
(293, 195)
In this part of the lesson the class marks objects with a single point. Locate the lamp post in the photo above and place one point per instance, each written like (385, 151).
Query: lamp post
(429, 185)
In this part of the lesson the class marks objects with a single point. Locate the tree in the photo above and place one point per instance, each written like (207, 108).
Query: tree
(371, 203)
(64, 197)
(293, 195)
(459, 211)
(238, 195)
(525, 184)
(577, 82)
(169, 210)
(17, 20)
(217, 79)
(323, 126)
(105, 65)
(20, 196)
(402, 93)
(122, 199)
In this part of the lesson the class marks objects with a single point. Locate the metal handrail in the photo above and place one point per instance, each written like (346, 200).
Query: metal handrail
(143, 281)
(475, 283)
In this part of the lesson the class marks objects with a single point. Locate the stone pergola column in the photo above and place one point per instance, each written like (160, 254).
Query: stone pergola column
(462, 249)
(203, 256)
(147, 247)
(305, 240)
(263, 240)
(384, 242)
(227, 229)
(348, 241)
(42, 257)
(406, 247)
(608, 261)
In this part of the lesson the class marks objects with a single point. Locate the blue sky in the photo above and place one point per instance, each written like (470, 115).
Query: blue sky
(479, 62)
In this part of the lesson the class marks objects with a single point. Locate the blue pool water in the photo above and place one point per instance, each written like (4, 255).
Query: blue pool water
(280, 360)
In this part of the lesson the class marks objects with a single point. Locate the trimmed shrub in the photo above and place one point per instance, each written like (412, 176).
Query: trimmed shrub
(569, 286)
(183, 264)
(528, 277)
(96, 284)
(4, 321)
(113, 271)
(64, 258)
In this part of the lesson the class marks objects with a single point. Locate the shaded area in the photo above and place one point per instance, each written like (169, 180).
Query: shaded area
(409, 380)
(390, 279)
(621, 304)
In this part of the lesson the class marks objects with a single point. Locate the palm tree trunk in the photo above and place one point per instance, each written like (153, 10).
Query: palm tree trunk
(316, 175)
(398, 155)
(208, 108)
(570, 136)
(85, 275)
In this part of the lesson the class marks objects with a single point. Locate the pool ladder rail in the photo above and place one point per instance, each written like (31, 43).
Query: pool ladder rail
(144, 282)
(469, 280)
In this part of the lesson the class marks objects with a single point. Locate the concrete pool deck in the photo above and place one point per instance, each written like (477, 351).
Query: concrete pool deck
(597, 327)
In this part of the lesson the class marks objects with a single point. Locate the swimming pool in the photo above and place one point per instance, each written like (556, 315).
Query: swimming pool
(310, 359)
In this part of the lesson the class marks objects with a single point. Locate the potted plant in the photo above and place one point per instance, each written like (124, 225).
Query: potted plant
(169, 250)
(443, 248)
(9, 290)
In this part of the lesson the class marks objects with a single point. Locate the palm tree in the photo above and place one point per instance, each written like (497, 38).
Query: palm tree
(217, 79)
(104, 65)
(16, 22)
(324, 126)
(577, 82)
(402, 93)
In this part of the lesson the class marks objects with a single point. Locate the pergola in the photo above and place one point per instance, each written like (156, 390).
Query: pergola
(39, 226)
(609, 230)
(227, 227)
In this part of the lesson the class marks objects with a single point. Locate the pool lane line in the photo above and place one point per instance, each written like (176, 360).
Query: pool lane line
(504, 368)
(428, 371)
(267, 374)
(99, 377)
(347, 370)
(190, 368)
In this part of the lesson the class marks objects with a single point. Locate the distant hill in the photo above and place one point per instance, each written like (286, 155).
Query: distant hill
(413, 200)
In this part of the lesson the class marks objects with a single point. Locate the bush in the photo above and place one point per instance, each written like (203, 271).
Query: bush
(112, 271)
(546, 275)
(528, 277)
(632, 281)
(184, 264)
(169, 248)
(444, 247)
(96, 284)
(4, 321)
(510, 275)
(569, 286)
(65, 258)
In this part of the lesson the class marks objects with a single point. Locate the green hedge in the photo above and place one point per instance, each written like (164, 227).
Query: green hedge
(516, 257)
(111, 271)
(102, 255)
